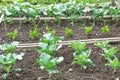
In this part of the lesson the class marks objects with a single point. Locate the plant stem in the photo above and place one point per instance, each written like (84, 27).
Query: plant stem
(38, 22)
(20, 23)
(114, 71)
(85, 19)
(49, 76)
(5, 22)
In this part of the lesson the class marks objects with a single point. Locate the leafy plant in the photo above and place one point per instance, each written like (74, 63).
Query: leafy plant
(9, 48)
(88, 30)
(68, 31)
(105, 30)
(78, 47)
(46, 62)
(109, 53)
(48, 43)
(83, 59)
(115, 64)
(97, 15)
(34, 33)
(72, 9)
(13, 34)
(113, 11)
(81, 54)
(49, 31)
(7, 61)
(85, 11)
(102, 45)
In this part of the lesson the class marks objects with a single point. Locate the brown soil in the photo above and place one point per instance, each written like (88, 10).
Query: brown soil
(30, 70)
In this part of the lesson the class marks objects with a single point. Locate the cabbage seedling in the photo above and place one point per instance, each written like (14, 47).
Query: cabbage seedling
(109, 53)
(102, 45)
(48, 44)
(7, 61)
(81, 54)
(49, 30)
(78, 47)
(68, 31)
(83, 59)
(105, 30)
(115, 63)
(13, 34)
(34, 33)
(8, 48)
(48, 63)
(88, 30)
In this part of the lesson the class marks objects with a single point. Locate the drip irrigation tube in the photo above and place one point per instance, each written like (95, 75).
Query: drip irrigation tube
(53, 18)
(88, 41)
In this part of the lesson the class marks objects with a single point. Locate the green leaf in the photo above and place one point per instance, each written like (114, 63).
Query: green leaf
(54, 71)
(4, 76)
(9, 47)
(48, 63)
(68, 31)
(34, 33)
(17, 69)
(105, 29)
(1, 58)
(88, 30)
(12, 34)
(48, 44)
(20, 57)
(81, 55)
(87, 52)
(60, 59)
(102, 45)
(43, 45)
(86, 9)
(115, 64)
(109, 53)
(44, 56)
(78, 47)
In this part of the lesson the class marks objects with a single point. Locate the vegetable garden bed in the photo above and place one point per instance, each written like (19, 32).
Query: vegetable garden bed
(30, 69)
(41, 54)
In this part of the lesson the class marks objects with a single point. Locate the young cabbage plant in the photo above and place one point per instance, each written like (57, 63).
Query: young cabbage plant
(49, 64)
(49, 30)
(109, 53)
(105, 30)
(13, 34)
(81, 54)
(97, 15)
(88, 30)
(78, 47)
(83, 59)
(114, 64)
(102, 45)
(114, 11)
(73, 18)
(9, 48)
(68, 31)
(85, 11)
(33, 21)
(7, 62)
(48, 43)
(34, 33)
